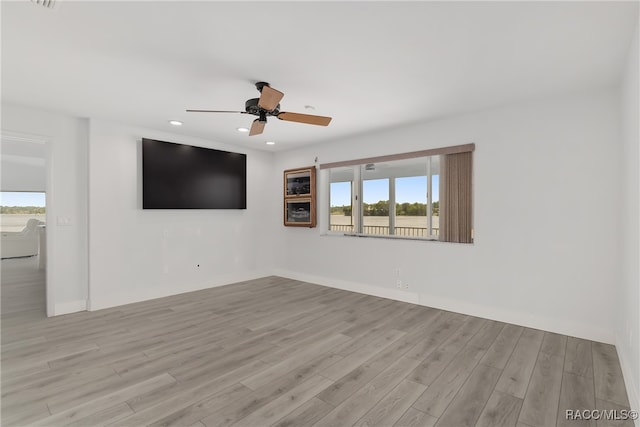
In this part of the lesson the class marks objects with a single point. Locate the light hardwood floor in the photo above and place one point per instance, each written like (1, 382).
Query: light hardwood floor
(285, 353)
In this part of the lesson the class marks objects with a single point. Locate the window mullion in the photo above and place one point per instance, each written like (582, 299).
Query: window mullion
(429, 199)
(357, 199)
(392, 205)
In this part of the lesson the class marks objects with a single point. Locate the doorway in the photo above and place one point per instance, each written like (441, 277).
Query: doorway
(23, 218)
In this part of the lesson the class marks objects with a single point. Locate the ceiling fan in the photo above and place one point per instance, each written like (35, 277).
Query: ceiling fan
(269, 105)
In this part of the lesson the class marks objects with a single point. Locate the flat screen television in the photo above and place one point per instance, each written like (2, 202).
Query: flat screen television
(178, 176)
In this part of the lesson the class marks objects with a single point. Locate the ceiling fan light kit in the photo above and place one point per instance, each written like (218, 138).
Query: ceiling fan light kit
(269, 105)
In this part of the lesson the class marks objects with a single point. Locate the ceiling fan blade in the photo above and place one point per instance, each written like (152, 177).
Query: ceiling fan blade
(269, 98)
(215, 111)
(305, 118)
(257, 127)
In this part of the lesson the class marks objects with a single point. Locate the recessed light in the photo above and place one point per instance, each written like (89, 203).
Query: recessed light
(175, 122)
(242, 130)
(271, 143)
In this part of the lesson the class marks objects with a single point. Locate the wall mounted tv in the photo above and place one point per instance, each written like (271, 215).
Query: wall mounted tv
(177, 176)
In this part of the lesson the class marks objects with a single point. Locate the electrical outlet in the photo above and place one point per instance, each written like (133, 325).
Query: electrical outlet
(406, 286)
(399, 283)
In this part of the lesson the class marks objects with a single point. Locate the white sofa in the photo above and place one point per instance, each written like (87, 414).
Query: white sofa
(21, 243)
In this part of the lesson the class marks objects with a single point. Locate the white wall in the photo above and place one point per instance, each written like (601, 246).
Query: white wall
(628, 326)
(546, 238)
(137, 254)
(66, 198)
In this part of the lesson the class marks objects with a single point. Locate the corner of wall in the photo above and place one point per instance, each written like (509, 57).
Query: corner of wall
(628, 325)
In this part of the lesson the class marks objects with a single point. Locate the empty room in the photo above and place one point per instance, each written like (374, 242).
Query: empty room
(320, 213)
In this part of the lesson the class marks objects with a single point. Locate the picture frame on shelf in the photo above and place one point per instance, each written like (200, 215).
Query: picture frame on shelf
(299, 212)
(299, 182)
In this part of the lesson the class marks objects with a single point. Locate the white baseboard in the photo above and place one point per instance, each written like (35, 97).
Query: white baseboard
(633, 392)
(529, 320)
(69, 307)
(559, 326)
(361, 288)
(115, 300)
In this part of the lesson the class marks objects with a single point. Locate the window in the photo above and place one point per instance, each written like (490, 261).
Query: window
(18, 207)
(399, 195)
(340, 203)
(375, 204)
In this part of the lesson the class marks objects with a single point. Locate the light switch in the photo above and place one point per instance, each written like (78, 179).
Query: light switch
(63, 220)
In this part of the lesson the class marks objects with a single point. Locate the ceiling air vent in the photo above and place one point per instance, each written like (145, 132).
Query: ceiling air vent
(45, 3)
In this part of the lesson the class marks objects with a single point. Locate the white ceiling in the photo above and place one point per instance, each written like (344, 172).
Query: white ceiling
(369, 65)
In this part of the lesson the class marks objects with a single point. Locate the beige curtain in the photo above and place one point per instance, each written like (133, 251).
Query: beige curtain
(455, 198)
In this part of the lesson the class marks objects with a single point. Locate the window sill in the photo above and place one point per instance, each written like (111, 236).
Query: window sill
(385, 237)
(377, 236)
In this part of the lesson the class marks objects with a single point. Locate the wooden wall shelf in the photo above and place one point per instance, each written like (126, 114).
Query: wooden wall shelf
(300, 197)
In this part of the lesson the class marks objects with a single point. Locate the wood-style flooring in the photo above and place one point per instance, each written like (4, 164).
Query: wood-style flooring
(278, 352)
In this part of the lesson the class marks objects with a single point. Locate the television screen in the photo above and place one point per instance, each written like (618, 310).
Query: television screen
(177, 176)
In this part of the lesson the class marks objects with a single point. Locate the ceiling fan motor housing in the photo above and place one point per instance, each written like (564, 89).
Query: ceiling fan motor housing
(252, 107)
